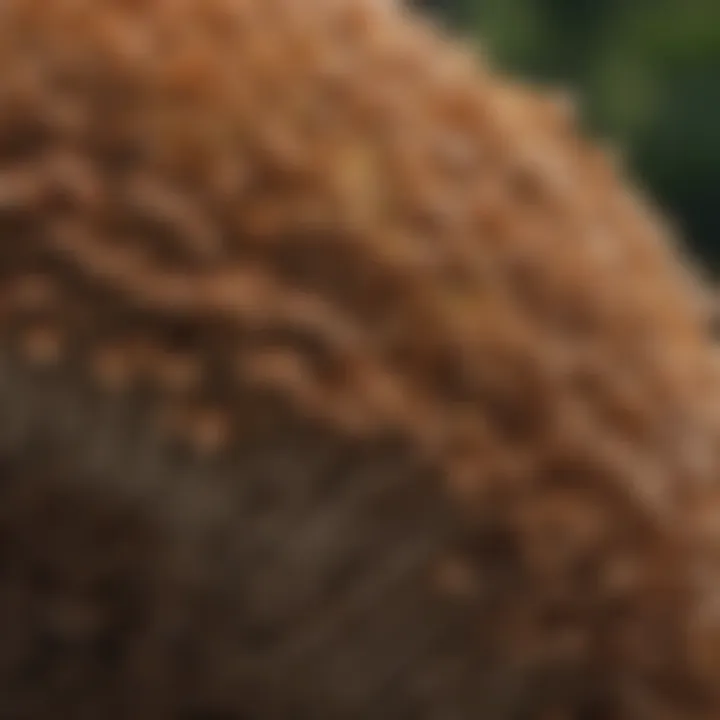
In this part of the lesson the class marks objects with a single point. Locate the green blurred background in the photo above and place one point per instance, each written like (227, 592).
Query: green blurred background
(647, 75)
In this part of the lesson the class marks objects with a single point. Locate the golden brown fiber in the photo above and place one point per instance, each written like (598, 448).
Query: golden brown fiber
(339, 378)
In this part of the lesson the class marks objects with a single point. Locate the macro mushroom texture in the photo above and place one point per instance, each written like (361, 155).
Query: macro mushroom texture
(340, 378)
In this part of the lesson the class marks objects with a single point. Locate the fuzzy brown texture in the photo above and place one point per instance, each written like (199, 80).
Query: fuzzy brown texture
(339, 378)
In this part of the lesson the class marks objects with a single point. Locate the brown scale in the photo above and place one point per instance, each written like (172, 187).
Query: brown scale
(339, 378)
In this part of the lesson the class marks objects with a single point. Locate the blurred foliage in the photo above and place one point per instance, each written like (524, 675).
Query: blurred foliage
(647, 73)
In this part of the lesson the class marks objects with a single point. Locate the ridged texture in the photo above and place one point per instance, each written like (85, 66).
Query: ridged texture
(276, 229)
